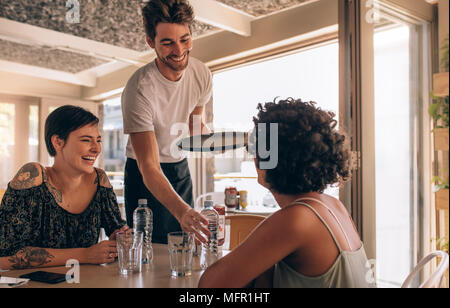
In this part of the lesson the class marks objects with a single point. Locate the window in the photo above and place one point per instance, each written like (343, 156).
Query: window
(114, 139)
(394, 155)
(114, 144)
(386, 53)
(33, 140)
(309, 74)
(19, 139)
(7, 133)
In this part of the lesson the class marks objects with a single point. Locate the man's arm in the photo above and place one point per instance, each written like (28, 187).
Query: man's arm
(146, 150)
(196, 124)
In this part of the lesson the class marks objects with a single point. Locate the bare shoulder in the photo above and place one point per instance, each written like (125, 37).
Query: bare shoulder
(103, 178)
(294, 220)
(295, 213)
(30, 175)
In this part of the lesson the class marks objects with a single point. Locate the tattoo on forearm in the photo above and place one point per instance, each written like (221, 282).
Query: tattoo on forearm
(30, 257)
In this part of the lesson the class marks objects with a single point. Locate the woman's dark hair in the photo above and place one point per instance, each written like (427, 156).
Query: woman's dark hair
(64, 120)
(311, 152)
(169, 11)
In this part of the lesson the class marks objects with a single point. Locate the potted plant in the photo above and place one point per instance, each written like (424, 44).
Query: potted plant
(441, 189)
(443, 244)
(439, 109)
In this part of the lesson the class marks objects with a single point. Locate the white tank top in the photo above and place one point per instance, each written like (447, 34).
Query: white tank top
(350, 269)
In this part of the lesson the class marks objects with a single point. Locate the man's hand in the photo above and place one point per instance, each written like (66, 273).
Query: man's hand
(147, 156)
(196, 123)
(191, 221)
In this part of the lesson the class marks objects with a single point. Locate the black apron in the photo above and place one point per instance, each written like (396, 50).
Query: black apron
(163, 221)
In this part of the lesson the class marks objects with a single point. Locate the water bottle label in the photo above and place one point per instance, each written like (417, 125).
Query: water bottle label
(221, 234)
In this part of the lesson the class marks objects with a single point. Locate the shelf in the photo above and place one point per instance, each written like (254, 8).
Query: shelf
(442, 199)
(441, 139)
(440, 84)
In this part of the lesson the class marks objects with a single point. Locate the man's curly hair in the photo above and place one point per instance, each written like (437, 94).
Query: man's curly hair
(311, 152)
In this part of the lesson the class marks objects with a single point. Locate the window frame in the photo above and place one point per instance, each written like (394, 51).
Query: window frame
(21, 130)
(358, 53)
(311, 42)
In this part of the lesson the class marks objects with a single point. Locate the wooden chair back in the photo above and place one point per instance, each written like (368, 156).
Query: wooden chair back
(241, 226)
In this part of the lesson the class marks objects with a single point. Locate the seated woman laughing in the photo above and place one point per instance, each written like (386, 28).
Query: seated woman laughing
(49, 215)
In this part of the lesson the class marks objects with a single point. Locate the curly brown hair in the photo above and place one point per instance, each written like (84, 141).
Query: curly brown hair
(311, 152)
(167, 11)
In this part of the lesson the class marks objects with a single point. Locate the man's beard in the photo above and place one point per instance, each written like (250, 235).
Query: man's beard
(175, 66)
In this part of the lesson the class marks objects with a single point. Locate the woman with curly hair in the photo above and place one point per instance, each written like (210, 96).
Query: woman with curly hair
(311, 241)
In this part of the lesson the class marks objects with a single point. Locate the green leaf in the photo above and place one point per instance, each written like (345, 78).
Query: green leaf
(436, 179)
(433, 109)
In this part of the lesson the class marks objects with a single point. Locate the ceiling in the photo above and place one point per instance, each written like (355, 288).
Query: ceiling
(38, 38)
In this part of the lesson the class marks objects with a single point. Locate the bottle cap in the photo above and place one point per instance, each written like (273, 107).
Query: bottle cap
(208, 203)
(142, 202)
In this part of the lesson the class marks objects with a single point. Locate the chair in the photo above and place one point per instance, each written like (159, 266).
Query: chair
(216, 197)
(241, 226)
(2, 192)
(436, 278)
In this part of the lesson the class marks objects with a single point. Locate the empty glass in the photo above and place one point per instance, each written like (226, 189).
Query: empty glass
(181, 248)
(129, 248)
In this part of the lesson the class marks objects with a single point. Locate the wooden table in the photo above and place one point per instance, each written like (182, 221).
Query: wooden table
(155, 275)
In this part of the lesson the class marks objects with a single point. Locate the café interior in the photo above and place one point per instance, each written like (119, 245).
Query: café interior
(378, 65)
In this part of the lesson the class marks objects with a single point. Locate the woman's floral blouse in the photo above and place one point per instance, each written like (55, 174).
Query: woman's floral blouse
(32, 217)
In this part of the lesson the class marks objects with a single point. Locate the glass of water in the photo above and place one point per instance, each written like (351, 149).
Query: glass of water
(129, 248)
(181, 248)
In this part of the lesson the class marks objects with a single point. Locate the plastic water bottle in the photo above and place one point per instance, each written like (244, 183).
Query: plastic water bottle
(143, 222)
(210, 251)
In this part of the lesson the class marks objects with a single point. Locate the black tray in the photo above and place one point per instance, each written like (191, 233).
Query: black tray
(215, 142)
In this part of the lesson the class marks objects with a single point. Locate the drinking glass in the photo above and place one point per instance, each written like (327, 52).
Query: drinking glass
(129, 248)
(181, 248)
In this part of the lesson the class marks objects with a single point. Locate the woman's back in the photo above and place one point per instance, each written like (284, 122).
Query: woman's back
(333, 256)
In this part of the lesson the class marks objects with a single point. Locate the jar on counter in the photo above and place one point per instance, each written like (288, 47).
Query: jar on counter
(231, 198)
(243, 197)
(220, 208)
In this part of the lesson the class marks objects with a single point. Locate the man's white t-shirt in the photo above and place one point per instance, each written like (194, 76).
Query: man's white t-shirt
(150, 102)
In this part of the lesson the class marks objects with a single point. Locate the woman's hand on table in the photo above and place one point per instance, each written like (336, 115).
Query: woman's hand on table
(103, 252)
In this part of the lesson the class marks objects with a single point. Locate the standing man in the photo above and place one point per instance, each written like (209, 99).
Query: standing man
(174, 88)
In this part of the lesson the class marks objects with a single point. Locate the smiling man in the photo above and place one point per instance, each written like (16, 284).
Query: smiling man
(172, 89)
